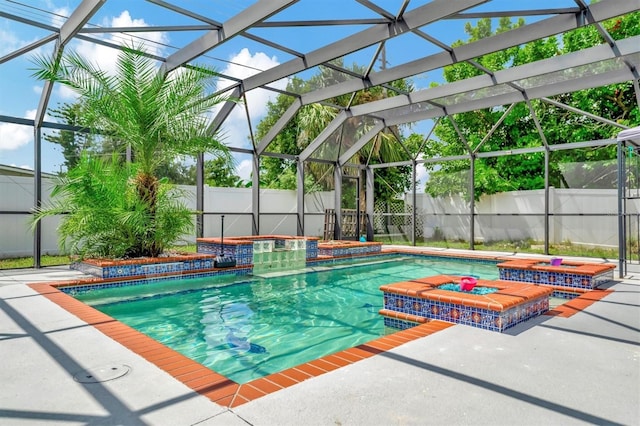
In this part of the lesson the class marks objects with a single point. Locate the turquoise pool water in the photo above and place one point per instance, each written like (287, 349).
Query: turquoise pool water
(249, 327)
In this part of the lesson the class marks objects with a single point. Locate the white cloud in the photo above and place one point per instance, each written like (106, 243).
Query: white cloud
(59, 15)
(244, 169)
(13, 136)
(421, 176)
(66, 93)
(8, 42)
(31, 114)
(242, 65)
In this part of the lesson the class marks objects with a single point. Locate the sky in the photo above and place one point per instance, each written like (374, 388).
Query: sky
(239, 57)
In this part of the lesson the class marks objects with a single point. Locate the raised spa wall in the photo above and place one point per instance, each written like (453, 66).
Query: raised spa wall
(417, 301)
(281, 250)
(254, 254)
(242, 248)
(578, 275)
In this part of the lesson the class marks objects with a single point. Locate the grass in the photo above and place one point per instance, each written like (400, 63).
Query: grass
(27, 262)
(565, 249)
(53, 260)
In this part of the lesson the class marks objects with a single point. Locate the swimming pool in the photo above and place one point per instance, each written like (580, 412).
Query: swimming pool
(249, 327)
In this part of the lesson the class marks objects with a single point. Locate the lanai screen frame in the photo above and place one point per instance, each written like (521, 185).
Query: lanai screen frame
(388, 26)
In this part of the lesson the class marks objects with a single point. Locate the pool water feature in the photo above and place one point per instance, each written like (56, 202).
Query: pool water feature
(278, 255)
(250, 327)
(416, 301)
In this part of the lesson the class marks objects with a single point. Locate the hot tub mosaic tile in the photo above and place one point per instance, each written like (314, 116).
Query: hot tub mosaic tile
(144, 267)
(512, 304)
(242, 248)
(76, 286)
(398, 324)
(480, 318)
(579, 275)
(242, 253)
(348, 248)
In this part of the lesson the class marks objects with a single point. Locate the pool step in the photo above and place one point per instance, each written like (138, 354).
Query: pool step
(403, 316)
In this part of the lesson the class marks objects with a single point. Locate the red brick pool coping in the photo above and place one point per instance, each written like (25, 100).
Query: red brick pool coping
(228, 393)
(509, 294)
(573, 306)
(212, 385)
(570, 267)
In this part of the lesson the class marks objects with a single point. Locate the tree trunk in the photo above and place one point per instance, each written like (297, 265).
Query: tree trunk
(147, 189)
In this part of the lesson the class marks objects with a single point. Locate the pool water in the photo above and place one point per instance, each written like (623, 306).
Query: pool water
(249, 327)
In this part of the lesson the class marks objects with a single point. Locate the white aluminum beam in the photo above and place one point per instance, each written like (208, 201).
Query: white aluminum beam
(234, 26)
(78, 18)
(31, 22)
(224, 112)
(585, 113)
(416, 18)
(28, 48)
(395, 164)
(156, 28)
(558, 63)
(360, 143)
(74, 23)
(545, 28)
(332, 127)
(611, 77)
(278, 126)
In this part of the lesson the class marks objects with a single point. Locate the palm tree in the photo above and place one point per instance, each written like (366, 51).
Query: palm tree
(160, 116)
(314, 118)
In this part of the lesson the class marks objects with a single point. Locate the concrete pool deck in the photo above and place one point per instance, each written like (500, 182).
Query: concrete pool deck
(549, 370)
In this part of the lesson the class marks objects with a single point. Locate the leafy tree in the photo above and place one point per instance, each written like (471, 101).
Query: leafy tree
(312, 119)
(72, 143)
(177, 173)
(106, 216)
(274, 172)
(159, 116)
(75, 143)
(221, 172)
(506, 173)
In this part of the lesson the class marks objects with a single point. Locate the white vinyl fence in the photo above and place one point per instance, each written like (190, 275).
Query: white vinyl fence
(508, 216)
(581, 216)
(277, 207)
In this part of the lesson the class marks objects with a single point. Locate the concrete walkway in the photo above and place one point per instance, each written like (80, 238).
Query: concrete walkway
(579, 370)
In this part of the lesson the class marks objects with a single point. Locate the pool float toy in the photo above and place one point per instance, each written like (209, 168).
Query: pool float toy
(467, 283)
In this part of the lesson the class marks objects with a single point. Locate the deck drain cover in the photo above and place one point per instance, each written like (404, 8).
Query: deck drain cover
(102, 374)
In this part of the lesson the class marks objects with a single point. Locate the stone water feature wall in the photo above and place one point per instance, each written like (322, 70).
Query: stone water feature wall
(410, 302)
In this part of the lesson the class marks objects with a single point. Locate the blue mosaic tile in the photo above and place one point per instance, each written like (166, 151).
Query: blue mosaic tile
(149, 280)
(555, 278)
(398, 323)
(565, 294)
(460, 314)
(134, 270)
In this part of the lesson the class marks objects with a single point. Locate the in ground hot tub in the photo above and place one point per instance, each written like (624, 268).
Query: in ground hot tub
(417, 301)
